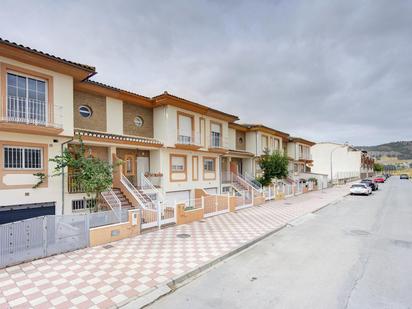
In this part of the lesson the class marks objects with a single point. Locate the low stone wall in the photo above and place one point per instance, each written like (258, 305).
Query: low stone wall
(105, 234)
(223, 201)
(280, 196)
(259, 200)
(187, 216)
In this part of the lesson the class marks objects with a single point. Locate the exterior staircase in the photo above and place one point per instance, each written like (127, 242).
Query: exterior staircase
(113, 200)
(239, 186)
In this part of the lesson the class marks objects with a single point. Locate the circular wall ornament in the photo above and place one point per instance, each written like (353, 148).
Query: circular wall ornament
(85, 111)
(138, 121)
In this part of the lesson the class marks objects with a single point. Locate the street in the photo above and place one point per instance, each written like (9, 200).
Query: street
(354, 254)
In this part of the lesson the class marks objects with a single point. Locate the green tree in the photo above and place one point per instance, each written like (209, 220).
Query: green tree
(273, 165)
(377, 167)
(92, 174)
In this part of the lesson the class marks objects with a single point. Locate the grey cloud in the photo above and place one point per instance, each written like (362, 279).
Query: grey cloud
(325, 70)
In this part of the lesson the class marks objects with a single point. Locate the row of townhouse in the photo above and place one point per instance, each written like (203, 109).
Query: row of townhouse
(167, 143)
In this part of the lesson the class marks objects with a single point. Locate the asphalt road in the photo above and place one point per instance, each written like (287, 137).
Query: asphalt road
(354, 254)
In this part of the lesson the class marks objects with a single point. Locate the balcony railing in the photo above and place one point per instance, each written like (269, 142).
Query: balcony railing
(305, 156)
(217, 141)
(72, 185)
(31, 111)
(193, 139)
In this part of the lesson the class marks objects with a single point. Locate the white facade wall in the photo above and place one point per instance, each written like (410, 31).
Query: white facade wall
(50, 193)
(292, 150)
(189, 183)
(165, 126)
(62, 94)
(232, 138)
(346, 163)
(63, 116)
(251, 139)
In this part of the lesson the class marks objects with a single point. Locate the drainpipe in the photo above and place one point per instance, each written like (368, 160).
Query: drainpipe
(61, 151)
(220, 173)
(254, 161)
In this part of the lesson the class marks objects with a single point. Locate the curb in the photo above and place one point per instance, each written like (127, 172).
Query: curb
(159, 291)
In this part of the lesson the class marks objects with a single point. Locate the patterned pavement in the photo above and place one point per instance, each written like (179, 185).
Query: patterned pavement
(102, 277)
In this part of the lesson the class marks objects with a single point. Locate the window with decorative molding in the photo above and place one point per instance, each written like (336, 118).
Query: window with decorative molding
(178, 163)
(209, 165)
(26, 99)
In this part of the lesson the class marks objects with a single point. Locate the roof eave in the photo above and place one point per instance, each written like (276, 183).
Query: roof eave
(46, 61)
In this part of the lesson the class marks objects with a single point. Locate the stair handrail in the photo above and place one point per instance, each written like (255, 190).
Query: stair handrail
(144, 180)
(133, 191)
(253, 182)
(241, 178)
(117, 201)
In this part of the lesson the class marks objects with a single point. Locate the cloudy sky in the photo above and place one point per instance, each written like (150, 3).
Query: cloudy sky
(324, 70)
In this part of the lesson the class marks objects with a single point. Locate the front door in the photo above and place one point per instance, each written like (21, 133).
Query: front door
(236, 166)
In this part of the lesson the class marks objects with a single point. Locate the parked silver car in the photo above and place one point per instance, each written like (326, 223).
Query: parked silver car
(360, 188)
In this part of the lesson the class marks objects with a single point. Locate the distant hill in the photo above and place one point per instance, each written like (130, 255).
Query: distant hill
(399, 150)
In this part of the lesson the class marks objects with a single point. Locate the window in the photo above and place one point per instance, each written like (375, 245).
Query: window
(85, 111)
(185, 128)
(138, 121)
(215, 135)
(209, 164)
(264, 142)
(83, 204)
(274, 143)
(241, 140)
(22, 157)
(26, 99)
(178, 164)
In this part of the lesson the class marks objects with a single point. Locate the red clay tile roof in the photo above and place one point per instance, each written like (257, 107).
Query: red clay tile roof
(195, 104)
(88, 81)
(35, 51)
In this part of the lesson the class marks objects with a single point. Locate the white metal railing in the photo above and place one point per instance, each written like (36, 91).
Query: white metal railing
(193, 139)
(253, 182)
(31, 111)
(153, 213)
(113, 202)
(146, 184)
(287, 189)
(305, 156)
(244, 184)
(270, 191)
(133, 191)
(241, 178)
(244, 199)
(299, 188)
(217, 141)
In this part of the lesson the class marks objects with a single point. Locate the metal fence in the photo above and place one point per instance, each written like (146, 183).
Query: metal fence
(107, 217)
(42, 236)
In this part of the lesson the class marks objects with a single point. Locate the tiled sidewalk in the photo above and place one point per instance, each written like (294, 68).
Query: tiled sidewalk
(103, 278)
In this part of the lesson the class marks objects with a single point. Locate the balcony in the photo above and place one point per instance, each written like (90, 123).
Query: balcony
(305, 157)
(217, 143)
(189, 142)
(25, 115)
(72, 185)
